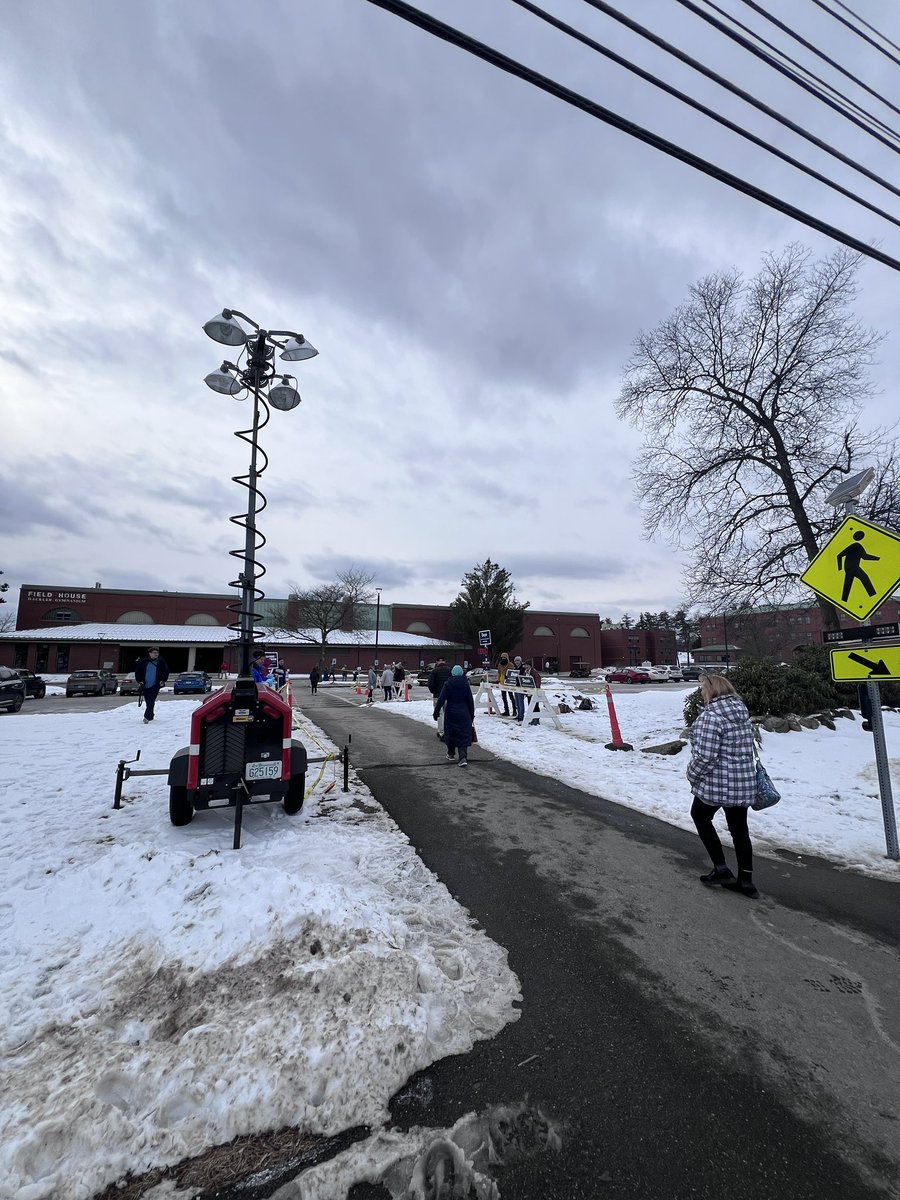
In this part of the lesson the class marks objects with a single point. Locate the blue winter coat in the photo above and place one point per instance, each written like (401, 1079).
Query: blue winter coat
(456, 694)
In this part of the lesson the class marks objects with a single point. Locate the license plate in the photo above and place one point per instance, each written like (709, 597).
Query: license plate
(263, 770)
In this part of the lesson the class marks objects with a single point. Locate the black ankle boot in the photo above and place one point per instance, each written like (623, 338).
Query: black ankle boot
(718, 875)
(743, 884)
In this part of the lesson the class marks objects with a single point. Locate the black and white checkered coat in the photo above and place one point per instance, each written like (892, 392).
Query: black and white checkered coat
(722, 769)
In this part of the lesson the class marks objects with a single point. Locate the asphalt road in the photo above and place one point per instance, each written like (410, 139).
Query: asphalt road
(684, 1043)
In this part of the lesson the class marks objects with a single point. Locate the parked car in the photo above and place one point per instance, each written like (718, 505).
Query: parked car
(34, 684)
(580, 671)
(129, 686)
(91, 683)
(627, 675)
(12, 690)
(674, 670)
(192, 681)
(476, 675)
(692, 671)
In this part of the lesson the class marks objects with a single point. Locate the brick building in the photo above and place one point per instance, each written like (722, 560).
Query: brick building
(61, 629)
(772, 631)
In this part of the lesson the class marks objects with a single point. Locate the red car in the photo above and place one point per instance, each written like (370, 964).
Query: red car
(627, 675)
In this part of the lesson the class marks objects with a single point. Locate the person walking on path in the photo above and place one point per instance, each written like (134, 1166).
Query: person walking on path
(223, 671)
(372, 684)
(456, 697)
(440, 673)
(314, 680)
(387, 682)
(722, 774)
(151, 673)
(502, 669)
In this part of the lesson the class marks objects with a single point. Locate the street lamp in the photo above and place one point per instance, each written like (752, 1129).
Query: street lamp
(256, 376)
(377, 620)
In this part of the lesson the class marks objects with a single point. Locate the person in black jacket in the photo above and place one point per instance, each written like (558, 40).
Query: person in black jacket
(456, 698)
(439, 675)
(151, 673)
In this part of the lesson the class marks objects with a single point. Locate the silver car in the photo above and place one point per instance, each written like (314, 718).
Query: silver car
(91, 683)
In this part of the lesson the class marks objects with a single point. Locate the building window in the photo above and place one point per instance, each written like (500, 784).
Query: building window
(201, 619)
(543, 631)
(60, 615)
(579, 632)
(62, 659)
(135, 617)
(41, 658)
(419, 627)
(21, 659)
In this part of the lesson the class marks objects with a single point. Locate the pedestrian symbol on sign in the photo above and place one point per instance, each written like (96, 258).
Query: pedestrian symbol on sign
(852, 557)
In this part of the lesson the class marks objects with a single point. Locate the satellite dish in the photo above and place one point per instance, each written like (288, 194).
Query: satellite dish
(851, 488)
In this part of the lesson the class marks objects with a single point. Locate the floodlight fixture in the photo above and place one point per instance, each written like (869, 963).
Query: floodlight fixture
(223, 381)
(226, 329)
(284, 396)
(297, 348)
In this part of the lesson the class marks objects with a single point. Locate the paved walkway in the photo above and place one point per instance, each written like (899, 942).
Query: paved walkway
(687, 1043)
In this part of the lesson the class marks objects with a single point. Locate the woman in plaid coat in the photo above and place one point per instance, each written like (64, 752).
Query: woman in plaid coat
(722, 774)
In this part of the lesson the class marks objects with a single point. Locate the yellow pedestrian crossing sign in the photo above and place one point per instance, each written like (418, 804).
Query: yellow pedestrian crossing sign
(857, 569)
(875, 662)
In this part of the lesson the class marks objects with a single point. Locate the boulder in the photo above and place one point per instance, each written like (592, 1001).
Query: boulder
(585, 704)
(793, 723)
(777, 725)
(562, 707)
(809, 722)
(844, 712)
(826, 720)
(664, 748)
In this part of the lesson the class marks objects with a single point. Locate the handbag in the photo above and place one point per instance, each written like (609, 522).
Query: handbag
(767, 793)
(474, 735)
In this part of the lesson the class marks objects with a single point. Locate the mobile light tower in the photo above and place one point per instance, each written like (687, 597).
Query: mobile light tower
(377, 620)
(255, 376)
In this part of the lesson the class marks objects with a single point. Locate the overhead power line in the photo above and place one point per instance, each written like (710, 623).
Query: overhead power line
(857, 17)
(786, 71)
(758, 8)
(578, 35)
(858, 32)
(804, 70)
(642, 30)
(503, 62)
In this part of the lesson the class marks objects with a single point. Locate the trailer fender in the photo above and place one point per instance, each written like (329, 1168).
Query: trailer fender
(178, 768)
(298, 758)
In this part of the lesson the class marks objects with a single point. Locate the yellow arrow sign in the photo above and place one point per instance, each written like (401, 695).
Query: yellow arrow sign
(858, 568)
(878, 663)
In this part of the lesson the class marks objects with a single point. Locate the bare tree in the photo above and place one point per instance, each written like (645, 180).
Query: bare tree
(7, 621)
(315, 613)
(749, 396)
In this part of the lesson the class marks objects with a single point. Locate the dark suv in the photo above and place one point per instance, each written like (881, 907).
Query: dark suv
(34, 684)
(12, 690)
(91, 683)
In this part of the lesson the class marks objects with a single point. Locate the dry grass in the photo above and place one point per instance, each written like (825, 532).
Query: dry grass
(219, 1168)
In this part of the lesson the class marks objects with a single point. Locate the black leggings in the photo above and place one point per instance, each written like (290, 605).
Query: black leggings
(736, 818)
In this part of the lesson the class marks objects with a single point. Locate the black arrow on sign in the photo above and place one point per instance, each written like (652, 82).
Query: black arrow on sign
(879, 668)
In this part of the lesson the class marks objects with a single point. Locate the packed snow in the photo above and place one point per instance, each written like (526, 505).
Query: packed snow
(164, 993)
(830, 802)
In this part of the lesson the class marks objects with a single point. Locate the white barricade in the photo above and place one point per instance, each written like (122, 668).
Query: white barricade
(535, 696)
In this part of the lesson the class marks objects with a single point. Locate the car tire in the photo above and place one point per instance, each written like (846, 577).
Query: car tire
(16, 704)
(293, 800)
(181, 811)
(40, 693)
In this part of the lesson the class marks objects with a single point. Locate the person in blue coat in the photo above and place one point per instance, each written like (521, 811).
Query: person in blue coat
(456, 698)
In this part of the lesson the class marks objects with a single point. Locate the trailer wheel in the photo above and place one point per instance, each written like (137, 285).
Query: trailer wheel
(181, 811)
(293, 801)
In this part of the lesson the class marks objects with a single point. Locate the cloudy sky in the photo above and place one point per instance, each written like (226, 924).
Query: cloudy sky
(472, 258)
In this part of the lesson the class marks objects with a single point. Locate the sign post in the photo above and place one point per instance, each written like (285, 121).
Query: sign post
(857, 569)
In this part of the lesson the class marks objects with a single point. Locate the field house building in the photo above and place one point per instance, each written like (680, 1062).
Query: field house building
(65, 628)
